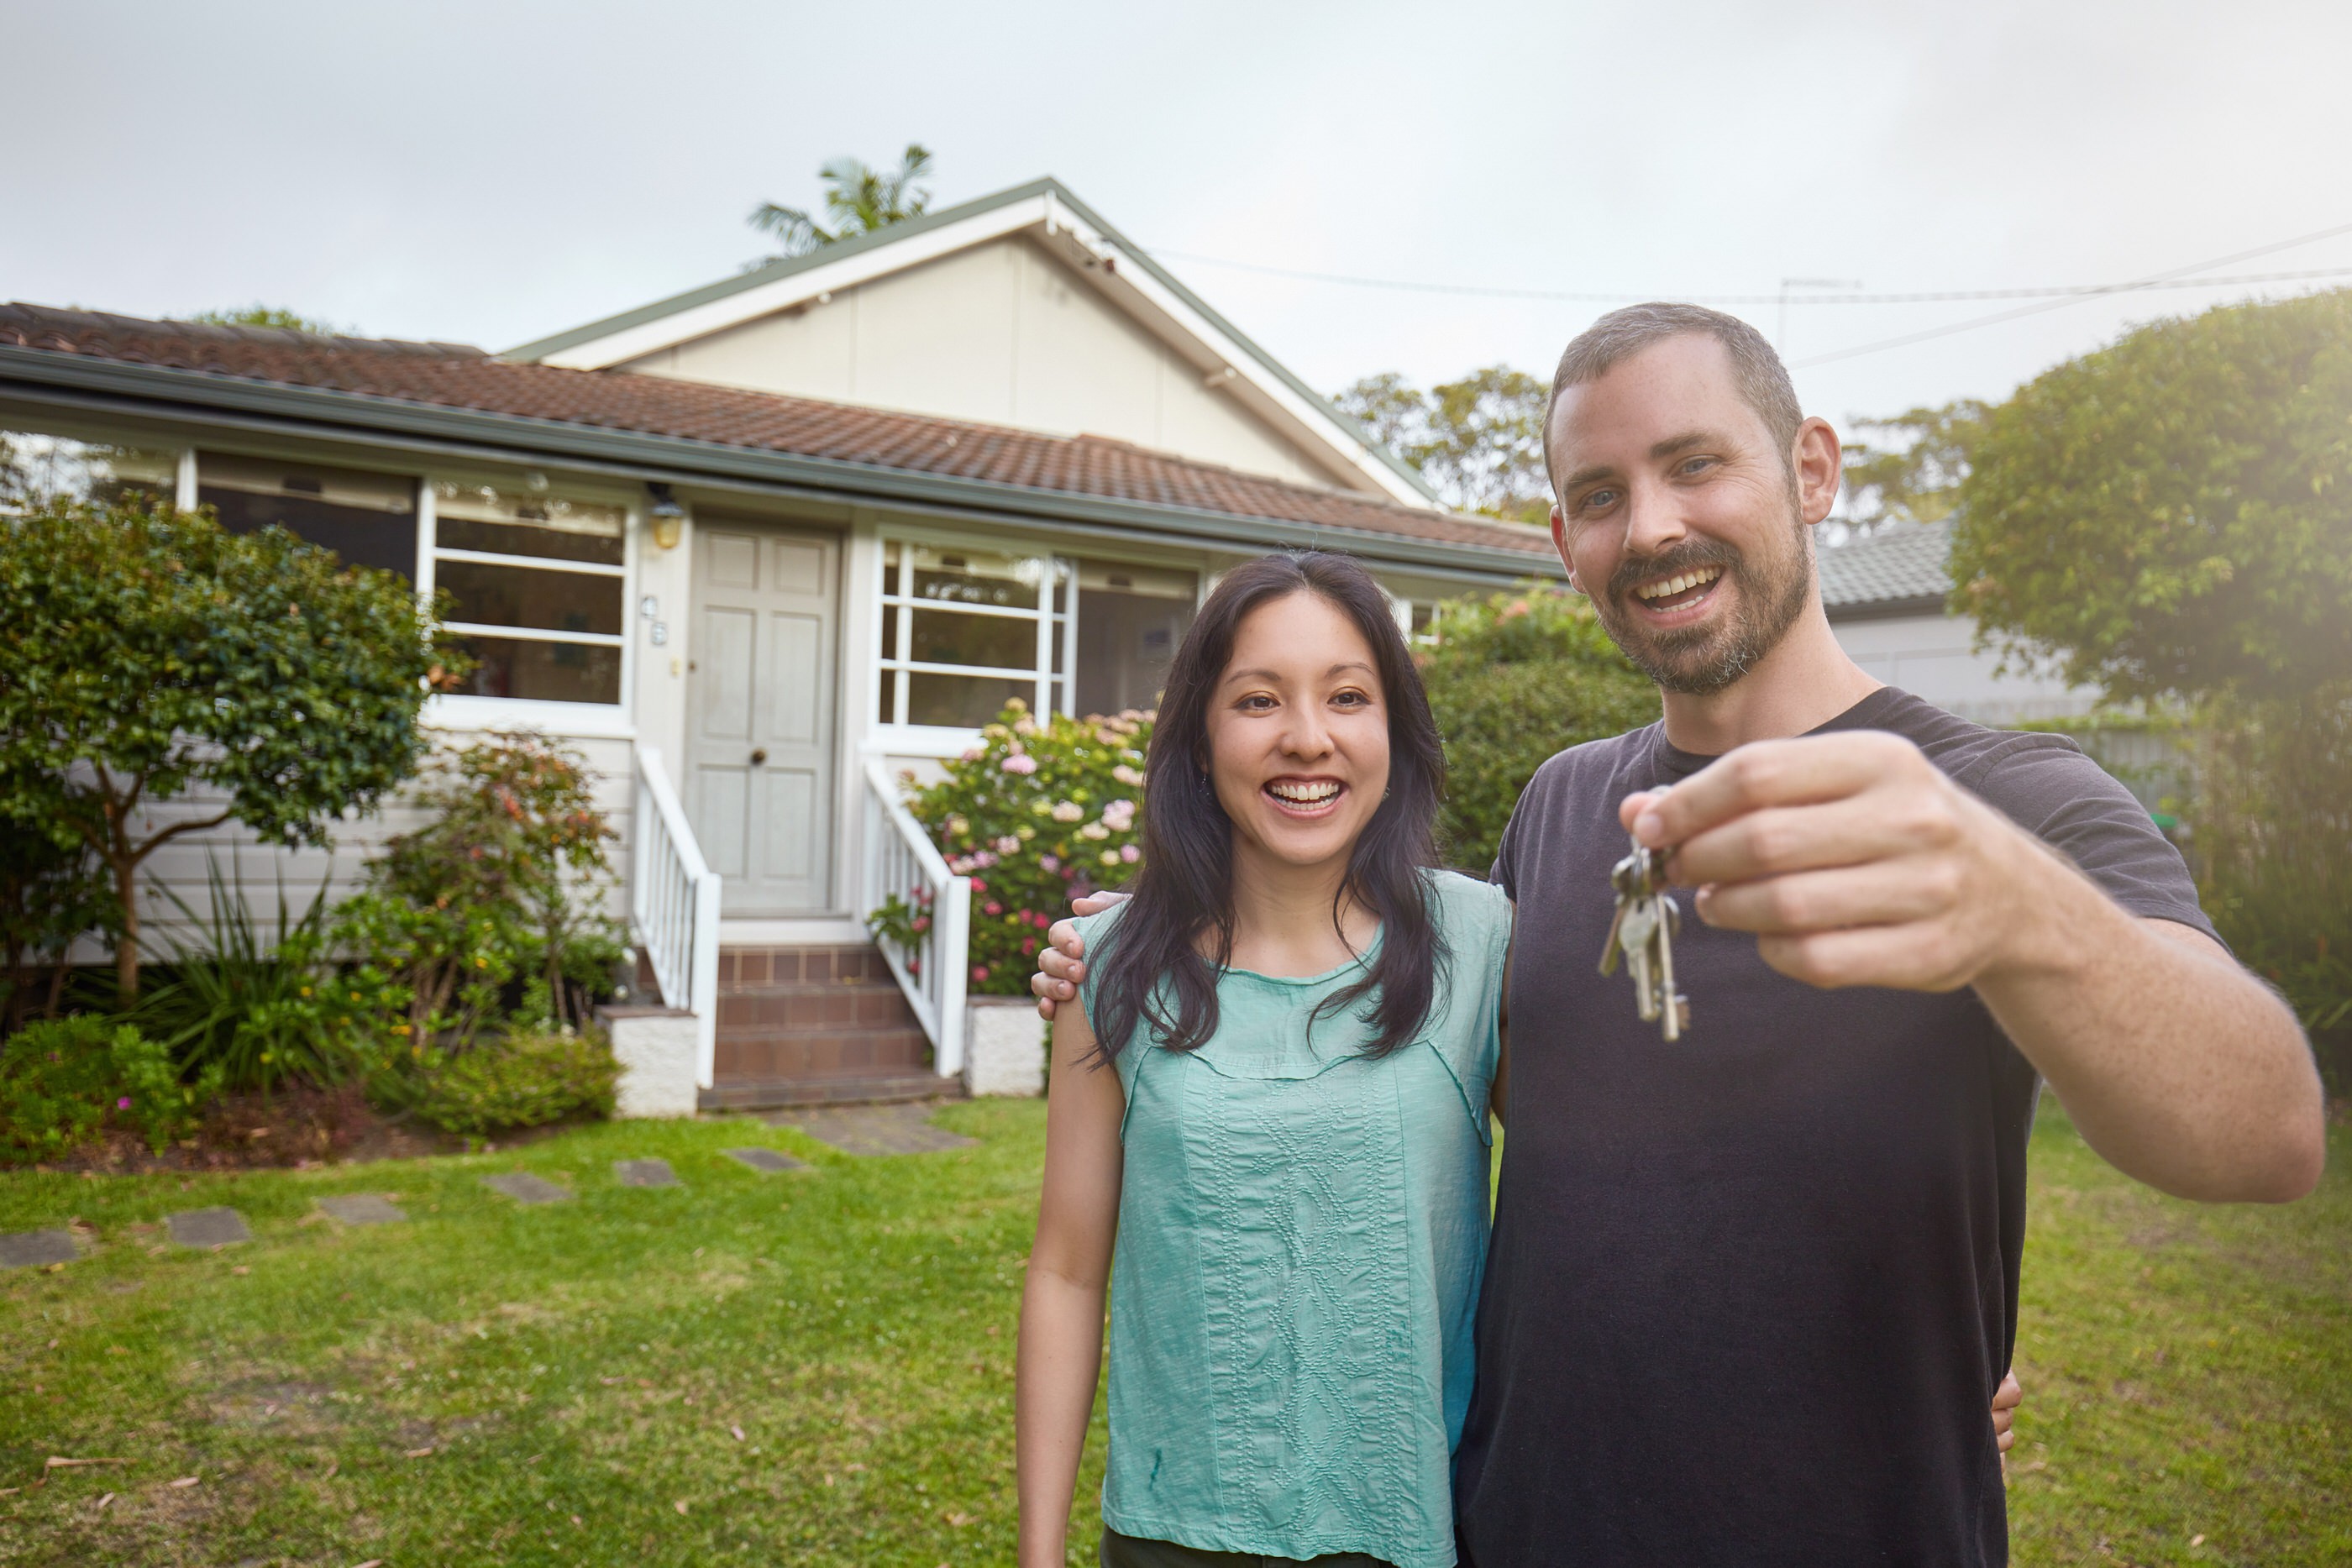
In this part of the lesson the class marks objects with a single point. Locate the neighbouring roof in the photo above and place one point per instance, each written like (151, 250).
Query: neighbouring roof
(1111, 261)
(371, 372)
(1897, 568)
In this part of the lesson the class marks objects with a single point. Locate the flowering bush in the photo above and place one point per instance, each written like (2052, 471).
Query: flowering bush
(1040, 812)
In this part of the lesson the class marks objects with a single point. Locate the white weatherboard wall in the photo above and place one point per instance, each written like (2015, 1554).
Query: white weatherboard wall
(1933, 656)
(1002, 333)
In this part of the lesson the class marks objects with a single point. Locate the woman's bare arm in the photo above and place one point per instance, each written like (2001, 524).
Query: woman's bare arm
(1498, 1098)
(1069, 1276)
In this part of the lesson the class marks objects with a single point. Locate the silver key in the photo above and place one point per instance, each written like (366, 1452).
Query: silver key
(1642, 930)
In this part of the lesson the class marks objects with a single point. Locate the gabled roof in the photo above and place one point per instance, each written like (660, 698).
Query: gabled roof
(723, 430)
(1117, 268)
(1895, 570)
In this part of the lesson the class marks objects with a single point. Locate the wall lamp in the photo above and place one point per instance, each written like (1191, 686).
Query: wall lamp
(668, 515)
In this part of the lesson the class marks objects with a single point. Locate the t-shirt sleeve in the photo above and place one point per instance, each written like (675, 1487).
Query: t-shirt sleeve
(2048, 786)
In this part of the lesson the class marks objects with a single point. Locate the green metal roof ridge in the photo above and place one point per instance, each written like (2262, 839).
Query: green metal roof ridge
(518, 438)
(774, 271)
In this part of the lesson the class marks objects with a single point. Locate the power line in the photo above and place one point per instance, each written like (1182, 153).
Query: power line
(2154, 280)
(2063, 292)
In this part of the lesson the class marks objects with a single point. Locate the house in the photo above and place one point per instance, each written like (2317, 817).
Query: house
(1885, 593)
(757, 548)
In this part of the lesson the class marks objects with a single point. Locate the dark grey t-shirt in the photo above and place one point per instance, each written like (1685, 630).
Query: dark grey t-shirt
(1749, 1294)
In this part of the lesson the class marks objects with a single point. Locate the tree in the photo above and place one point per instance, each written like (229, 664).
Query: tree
(1917, 477)
(259, 314)
(1478, 440)
(860, 199)
(146, 652)
(2172, 514)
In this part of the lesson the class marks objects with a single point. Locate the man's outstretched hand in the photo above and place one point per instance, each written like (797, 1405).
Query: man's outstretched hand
(1060, 968)
(1854, 861)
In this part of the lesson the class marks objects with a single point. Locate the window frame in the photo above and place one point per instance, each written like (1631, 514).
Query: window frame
(894, 667)
(470, 711)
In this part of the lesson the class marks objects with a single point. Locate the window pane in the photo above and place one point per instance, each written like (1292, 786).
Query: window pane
(891, 615)
(1129, 621)
(367, 519)
(944, 637)
(975, 576)
(543, 671)
(514, 522)
(531, 596)
(37, 467)
(964, 702)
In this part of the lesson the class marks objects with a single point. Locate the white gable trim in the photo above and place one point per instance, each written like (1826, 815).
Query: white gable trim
(1225, 363)
(750, 304)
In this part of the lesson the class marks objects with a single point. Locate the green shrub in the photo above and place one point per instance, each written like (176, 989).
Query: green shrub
(522, 1080)
(492, 914)
(1514, 678)
(64, 1081)
(1040, 812)
(260, 1011)
(2271, 838)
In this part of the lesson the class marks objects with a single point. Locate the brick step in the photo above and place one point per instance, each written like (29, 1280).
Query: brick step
(769, 1054)
(759, 968)
(846, 1089)
(815, 1007)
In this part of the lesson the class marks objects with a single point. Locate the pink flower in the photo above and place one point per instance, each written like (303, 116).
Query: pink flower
(977, 885)
(1028, 947)
(1008, 845)
(980, 972)
(972, 754)
(1130, 854)
(921, 923)
(1019, 764)
(124, 1103)
(991, 907)
(1049, 864)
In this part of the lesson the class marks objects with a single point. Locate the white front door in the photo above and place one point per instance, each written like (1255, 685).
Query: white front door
(760, 712)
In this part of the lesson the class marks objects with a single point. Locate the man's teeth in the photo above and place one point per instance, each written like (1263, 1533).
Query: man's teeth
(1675, 585)
(1305, 794)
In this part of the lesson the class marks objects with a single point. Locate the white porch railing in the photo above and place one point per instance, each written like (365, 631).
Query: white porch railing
(674, 906)
(900, 858)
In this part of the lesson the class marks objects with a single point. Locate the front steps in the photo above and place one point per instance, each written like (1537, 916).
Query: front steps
(816, 1026)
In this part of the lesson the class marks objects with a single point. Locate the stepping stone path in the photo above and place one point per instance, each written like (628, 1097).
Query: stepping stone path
(363, 1209)
(33, 1248)
(208, 1227)
(524, 1188)
(868, 1129)
(645, 1173)
(770, 1161)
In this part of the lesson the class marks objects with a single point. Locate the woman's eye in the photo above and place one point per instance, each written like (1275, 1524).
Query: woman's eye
(1256, 703)
(1351, 699)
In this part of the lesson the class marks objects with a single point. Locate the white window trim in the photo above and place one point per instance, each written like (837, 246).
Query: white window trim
(464, 711)
(1051, 687)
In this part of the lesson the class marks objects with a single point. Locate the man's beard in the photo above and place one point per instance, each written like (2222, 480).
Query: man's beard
(1702, 660)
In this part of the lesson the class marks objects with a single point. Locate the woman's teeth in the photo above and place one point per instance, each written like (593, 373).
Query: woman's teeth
(1667, 589)
(1304, 794)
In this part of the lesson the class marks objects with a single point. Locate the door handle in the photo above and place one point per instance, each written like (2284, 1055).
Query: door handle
(759, 756)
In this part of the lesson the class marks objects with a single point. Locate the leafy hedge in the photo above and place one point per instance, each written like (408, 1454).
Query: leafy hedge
(63, 1081)
(1513, 679)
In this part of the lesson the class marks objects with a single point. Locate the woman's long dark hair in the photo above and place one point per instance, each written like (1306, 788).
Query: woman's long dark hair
(1185, 890)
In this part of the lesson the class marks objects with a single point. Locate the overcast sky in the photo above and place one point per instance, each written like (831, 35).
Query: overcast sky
(490, 172)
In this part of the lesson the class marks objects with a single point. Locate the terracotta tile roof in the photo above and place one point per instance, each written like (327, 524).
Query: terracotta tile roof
(1896, 565)
(455, 375)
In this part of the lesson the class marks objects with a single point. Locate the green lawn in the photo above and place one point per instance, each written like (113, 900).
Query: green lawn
(2189, 1371)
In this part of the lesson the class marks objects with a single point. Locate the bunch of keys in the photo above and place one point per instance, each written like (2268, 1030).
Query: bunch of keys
(1644, 929)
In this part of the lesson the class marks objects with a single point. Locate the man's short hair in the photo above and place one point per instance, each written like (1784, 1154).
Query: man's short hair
(1763, 380)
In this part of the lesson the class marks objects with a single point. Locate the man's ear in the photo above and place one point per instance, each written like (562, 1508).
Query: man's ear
(1819, 462)
(1559, 543)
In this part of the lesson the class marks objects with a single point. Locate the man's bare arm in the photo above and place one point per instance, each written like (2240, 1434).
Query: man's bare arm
(1857, 863)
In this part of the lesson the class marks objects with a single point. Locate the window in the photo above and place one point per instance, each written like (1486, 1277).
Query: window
(368, 519)
(36, 466)
(1130, 619)
(537, 587)
(962, 631)
(1422, 629)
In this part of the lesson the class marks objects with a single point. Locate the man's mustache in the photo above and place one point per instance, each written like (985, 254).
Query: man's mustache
(1634, 570)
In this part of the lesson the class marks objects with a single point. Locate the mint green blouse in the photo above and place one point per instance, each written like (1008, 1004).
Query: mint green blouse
(1301, 1230)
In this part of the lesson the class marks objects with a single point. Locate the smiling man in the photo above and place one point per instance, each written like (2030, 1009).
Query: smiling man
(1815, 1199)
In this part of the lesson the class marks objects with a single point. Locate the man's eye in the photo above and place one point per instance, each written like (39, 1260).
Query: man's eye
(1693, 465)
(1599, 500)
